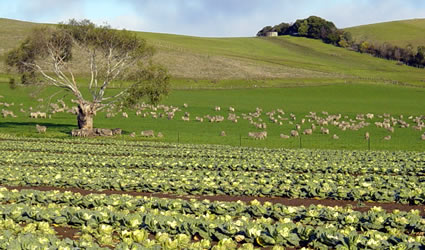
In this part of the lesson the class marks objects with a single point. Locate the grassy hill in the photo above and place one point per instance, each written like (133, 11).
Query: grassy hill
(247, 62)
(399, 33)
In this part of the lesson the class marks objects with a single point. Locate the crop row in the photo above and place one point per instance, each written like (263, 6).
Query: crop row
(114, 219)
(194, 157)
(402, 189)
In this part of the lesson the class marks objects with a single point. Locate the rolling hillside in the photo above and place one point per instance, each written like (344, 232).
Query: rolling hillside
(399, 33)
(218, 62)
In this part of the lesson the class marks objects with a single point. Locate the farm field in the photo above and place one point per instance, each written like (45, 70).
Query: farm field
(349, 100)
(149, 194)
(262, 143)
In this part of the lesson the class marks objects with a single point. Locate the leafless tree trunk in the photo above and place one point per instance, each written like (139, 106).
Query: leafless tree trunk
(86, 112)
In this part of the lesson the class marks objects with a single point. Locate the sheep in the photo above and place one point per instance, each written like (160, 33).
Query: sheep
(41, 129)
(148, 133)
(185, 118)
(199, 119)
(387, 138)
(297, 126)
(335, 137)
(423, 137)
(6, 113)
(217, 108)
(308, 131)
(294, 133)
(125, 115)
(369, 116)
(231, 109)
(160, 135)
(391, 129)
(185, 105)
(324, 131)
(133, 134)
(222, 133)
(283, 136)
(258, 135)
(367, 136)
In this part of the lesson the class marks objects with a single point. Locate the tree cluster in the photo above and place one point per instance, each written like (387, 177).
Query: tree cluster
(311, 27)
(407, 55)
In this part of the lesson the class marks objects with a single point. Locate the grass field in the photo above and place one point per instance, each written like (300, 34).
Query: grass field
(347, 99)
(400, 33)
(247, 62)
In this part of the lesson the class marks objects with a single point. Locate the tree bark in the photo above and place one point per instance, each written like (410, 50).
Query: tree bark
(85, 116)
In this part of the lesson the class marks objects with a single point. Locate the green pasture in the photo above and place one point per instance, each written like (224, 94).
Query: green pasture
(400, 33)
(347, 99)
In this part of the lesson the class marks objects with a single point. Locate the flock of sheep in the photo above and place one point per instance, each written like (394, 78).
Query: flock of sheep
(321, 123)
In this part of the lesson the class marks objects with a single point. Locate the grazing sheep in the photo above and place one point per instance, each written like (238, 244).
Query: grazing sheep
(42, 115)
(423, 137)
(133, 134)
(160, 135)
(335, 137)
(258, 135)
(185, 118)
(391, 129)
(283, 136)
(294, 133)
(324, 131)
(308, 131)
(125, 115)
(217, 108)
(41, 129)
(147, 133)
(222, 133)
(367, 136)
(185, 105)
(199, 119)
(387, 138)
(231, 109)
(6, 113)
(369, 116)
(297, 126)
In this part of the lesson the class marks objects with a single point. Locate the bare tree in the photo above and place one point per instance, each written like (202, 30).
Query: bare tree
(107, 55)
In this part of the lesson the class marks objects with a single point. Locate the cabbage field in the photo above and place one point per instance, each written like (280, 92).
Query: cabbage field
(87, 193)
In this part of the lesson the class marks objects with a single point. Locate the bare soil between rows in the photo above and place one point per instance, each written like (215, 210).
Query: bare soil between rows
(358, 206)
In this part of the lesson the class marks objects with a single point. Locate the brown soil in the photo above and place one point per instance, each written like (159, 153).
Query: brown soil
(66, 232)
(358, 206)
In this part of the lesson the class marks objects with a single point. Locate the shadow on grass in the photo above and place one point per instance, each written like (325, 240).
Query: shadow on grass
(64, 128)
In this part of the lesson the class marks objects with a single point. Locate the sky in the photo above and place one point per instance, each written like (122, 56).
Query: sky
(210, 18)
